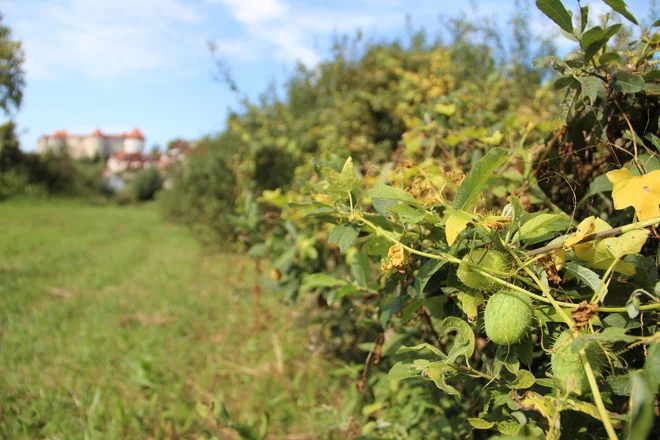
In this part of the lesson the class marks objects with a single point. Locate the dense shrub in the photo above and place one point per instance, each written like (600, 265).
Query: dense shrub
(409, 159)
(202, 195)
(145, 184)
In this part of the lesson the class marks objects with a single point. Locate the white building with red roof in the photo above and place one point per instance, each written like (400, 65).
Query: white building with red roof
(96, 144)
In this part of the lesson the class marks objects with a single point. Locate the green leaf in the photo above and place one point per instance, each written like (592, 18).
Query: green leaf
(654, 140)
(591, 88)
(652, 364)
(438, 372)
(482, 170)
(464, 335)
(566, 106)
(360, 268)
(402, 370)
(547, 383)
(608, 57)
(316, 280)
(626, 82)
(556, 12)
(618, 320)
(377, 245)
(425, 273)
(421, 347)
(584, 17)
(524, 379)
(341, 184)
(390, 193)
(390, 307)
(508, 428)
(505, 358)
(621, 384)
(480, 423)
(539, 225)
(610, 334)
(525, 351)
(596, 38)
(620, 7)
(646, 273)
(407, 214)
(642, 403)
(587, 276)
(344, 235)
(600, 184)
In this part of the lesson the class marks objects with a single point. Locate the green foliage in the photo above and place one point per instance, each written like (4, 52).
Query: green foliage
(12, 75)
(202, 195)
(407, 160)
(31, 175)
(145, 184)
(611, 91)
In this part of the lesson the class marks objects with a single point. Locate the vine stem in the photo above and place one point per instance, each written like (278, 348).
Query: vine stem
(567, 319)
(604, 416)
(598, 235)
(451, 259)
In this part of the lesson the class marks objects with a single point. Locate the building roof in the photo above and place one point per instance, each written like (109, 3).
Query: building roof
(135, 134)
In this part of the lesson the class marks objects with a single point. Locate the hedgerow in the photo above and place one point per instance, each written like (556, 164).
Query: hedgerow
(469, 291)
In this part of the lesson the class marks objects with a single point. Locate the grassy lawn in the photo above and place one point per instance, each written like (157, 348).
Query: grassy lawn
(114, 325)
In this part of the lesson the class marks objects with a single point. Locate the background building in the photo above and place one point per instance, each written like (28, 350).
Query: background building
(92, 145)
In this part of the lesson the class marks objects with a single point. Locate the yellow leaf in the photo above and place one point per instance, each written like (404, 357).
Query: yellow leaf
(455, 224)
(599, 253)
(642, 192)
(559, 258)
(494, 139)
(585, 228)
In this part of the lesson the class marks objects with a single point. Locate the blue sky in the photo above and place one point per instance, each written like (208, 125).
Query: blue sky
(119, 64)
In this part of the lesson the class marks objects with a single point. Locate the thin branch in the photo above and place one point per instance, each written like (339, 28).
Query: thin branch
(598, 235)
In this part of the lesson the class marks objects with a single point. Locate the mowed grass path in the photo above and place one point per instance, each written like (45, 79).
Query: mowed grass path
(115, 325)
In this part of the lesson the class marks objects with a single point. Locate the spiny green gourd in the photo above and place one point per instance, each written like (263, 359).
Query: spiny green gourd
(508, 317)
(566, 364)
(491, 261)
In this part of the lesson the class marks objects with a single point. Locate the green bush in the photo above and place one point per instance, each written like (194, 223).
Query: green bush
(202, 196)
(145, 185)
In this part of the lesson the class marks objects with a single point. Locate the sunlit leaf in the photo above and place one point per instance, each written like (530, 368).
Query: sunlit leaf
(473, 183)
(556, 12)
(621, 7)
(344, 236)
(641, 192)
(455, 224)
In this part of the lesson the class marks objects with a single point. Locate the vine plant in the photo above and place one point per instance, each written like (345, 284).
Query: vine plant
(549, 302)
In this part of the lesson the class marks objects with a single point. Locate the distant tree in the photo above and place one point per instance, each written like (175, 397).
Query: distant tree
(146, 184)
(155, 150)
(12, 75)
(10, 153)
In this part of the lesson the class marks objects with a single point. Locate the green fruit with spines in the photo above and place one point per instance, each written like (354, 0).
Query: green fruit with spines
(508, 317)
(490, 261)
(567, 366)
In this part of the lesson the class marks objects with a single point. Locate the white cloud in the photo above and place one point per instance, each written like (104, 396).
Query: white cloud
(277, 28)
(256, 11)
(106, 38)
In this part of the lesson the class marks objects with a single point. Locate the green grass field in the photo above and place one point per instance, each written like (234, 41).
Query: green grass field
(115, 325)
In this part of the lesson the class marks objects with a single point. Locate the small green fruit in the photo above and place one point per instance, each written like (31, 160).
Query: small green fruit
(489, 261)
(566, 364)
(508, 317)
